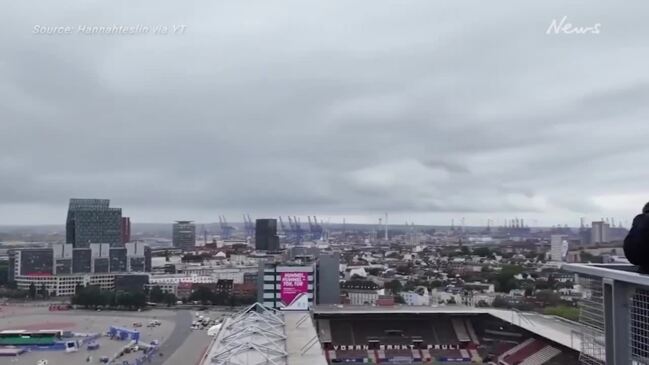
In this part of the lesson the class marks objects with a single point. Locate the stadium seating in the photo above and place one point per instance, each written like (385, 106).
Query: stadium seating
(475, 356)
(514, 349)
(445, 332)
(416, 354)
(331, 355)
(373, 356)
(471, 330)
(460, 330)
(542, 356)
(324, 330)
(522, 353)
(341, 333)
(450, 355)
(399, 355)
(434, 337)
(380, 354)
(347, 355)
(508, 343)
(502, 347)
(393, 332)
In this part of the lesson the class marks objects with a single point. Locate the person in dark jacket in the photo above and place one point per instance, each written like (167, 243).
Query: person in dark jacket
(636, 243)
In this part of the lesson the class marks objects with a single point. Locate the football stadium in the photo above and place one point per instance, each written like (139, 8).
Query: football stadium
(438, 335)
(337, 334)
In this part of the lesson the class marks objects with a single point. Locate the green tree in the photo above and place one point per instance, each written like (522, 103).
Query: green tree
(500, 302)
(43, 291)
(89, 296)
(410, 285)
(170, 299)
(112, 299)
(156, 295)
(138, 299)
(542, 285)
(32, 291)
(404, 269)
(548, 298)
(504, 280)
(202, 294)
(4, 273)
(482, 304)
(394, 286)
(125, 299)
(482, 251)
(220, 298)
(564, 311)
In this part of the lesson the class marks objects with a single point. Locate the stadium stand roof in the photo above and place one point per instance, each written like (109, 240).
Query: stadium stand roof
(261, 335)
(553, 328)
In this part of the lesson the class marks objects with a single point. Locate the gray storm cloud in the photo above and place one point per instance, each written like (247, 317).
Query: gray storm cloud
(423, 109)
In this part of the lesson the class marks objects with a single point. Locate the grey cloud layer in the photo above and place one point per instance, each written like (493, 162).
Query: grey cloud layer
(333, 107)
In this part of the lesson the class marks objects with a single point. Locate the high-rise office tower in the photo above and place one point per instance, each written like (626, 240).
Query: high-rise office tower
(184, 235)
(328, 279)
(558, 247)
(266, 235)
(599, 232)
(126, 229)
(93, 221)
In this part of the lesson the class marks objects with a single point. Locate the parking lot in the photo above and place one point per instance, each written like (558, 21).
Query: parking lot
(173, 330)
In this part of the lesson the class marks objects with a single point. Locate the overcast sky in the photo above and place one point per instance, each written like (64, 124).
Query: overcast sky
(428, 110)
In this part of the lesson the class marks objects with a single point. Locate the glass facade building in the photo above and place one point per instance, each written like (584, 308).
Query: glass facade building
(81, 260)
(93, 221)
(266, 235)
(118, 259)
(184, 235)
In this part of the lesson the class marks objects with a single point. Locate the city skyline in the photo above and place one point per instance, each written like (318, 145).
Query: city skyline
(430, 112)
(376, 220)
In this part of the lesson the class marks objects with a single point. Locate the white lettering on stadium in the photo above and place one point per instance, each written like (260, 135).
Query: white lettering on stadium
(397, 347)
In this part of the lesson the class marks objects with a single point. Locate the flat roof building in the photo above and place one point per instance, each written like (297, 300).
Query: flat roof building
(599, 232)
(93, 221)
(63, 259)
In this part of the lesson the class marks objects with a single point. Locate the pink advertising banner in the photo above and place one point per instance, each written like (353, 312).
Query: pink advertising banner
(292, 284)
